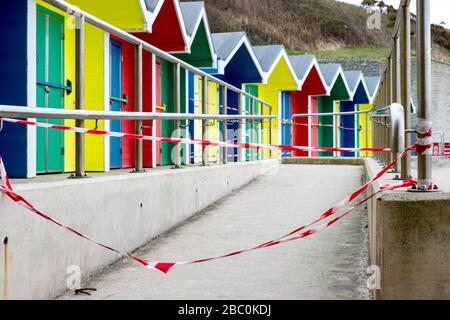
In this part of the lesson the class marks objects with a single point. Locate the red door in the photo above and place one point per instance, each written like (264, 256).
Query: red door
(128, 87)
(149, 145)
(300, 130)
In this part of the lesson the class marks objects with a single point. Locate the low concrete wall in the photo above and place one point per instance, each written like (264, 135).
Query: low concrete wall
(409, 241)
(121, 210)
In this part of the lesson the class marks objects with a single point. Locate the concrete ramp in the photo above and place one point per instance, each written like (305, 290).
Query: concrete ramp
(329, 265)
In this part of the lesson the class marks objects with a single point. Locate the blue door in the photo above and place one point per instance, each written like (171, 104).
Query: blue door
(286, 125)
(348, 131)
(115, 102)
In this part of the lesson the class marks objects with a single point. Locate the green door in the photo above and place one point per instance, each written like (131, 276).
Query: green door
(50, 92)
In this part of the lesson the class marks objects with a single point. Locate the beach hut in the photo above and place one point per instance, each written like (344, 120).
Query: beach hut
(110, 78)
(168, 34)
(126, 15)
(338, 91)
(18, 79)
(238, 66)
(304, 101)
(365, 122)
(202, 55)
(349, 124)
(279, 79)
(37, 69)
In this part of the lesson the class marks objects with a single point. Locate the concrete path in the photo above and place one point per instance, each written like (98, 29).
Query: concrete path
(328, 265)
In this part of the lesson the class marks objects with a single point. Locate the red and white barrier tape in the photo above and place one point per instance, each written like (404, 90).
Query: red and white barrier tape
(165, 267)
(191, 141)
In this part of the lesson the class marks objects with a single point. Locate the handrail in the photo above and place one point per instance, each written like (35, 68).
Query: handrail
(50, 113)
(326, 114)
(396, 127)
(396, 85)
(146, 46)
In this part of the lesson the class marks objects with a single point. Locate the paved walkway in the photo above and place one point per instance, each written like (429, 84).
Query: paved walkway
(328, 265)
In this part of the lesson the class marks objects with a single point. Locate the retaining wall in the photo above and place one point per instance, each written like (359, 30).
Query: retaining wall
(119, 209)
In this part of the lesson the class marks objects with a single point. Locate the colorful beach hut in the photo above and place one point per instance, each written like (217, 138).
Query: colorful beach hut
(372, 84)
(110, 78)
(302, 102)
(201, 55)
(18, 79)
(349, 124)
(279, 79)
(338, 91)
(44, 65)
(238, 66)
(168, 34)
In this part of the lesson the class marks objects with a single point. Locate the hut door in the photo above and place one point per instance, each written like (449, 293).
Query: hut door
(50, 88)
(159, 108)
(116, 102)
(286, 126)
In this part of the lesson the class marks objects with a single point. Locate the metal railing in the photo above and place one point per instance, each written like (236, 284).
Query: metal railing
(81, 114)
(389, 129)
(336, 127)
(396, 83)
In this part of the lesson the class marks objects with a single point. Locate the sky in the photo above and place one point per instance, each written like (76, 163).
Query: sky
(440, 9)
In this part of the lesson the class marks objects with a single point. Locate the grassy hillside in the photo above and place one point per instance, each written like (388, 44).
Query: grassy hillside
(327, 28)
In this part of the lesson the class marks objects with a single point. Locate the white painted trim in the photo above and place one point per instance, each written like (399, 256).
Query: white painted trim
(146, 15)
(372, 97)
(31, 86)
(187, 157)
(208, 34)
(106, 99)
(279, 116)
(153, 15)
(309, 125)
(153, 143)
(182, 26)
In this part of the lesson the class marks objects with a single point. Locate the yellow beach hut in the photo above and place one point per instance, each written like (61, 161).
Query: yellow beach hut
(279, 79)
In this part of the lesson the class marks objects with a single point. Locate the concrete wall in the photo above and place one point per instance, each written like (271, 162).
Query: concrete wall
(409, 241)
(122, 210)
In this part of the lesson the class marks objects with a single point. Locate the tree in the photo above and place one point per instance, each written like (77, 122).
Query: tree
(381, 5)
(369, 3)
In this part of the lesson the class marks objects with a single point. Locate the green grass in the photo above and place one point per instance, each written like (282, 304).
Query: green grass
(369, 52)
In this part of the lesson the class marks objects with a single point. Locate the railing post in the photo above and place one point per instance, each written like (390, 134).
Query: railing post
(336, 133)
(205, 149)
(396, 71)
(240, 132)
(252, 129)
(177, 146)
(406, 84)
(389, 82)
(270, 132)
(79, 76)
(367, 133)
(424, 164)
(224, 124)
(261, 141)
(139, 166)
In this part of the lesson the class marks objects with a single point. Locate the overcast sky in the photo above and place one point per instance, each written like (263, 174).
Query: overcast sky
(440, 9)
